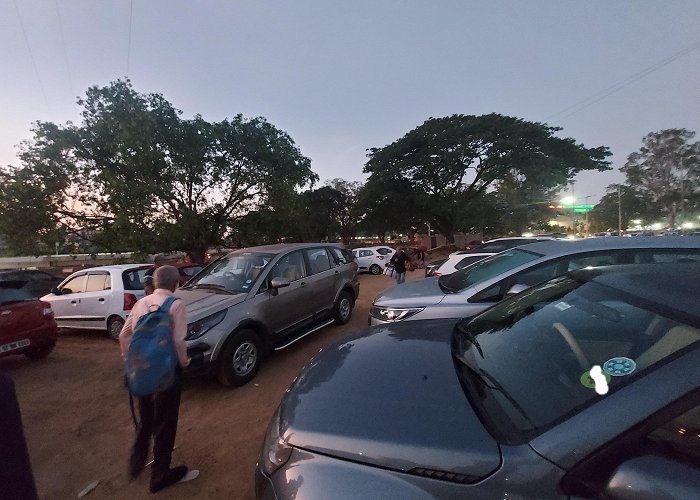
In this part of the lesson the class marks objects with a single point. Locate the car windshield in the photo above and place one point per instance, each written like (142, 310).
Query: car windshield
(10, 294)
(232, 273)
(544, 355)
(486, 269)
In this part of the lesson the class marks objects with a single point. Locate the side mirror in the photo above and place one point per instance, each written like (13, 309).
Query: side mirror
(651, 477)
(55, 290)
(515, 289)
(277, 283)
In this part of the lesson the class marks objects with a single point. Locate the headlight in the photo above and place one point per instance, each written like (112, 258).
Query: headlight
(199, 328)
(393, 313)
(275, 452)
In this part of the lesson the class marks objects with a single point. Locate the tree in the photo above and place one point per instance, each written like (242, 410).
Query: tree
(137, 176)
(605, 216)
(666, 171)
(446, 164)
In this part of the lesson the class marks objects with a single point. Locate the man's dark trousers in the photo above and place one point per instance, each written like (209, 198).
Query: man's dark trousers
(158, 417)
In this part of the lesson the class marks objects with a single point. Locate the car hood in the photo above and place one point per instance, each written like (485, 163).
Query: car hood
(201, 303)
(422, 292)
(390, 397)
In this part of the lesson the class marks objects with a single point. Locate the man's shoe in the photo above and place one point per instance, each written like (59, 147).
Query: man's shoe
(171, 477)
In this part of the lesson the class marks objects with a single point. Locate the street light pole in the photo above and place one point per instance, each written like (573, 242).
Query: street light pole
(619, 211)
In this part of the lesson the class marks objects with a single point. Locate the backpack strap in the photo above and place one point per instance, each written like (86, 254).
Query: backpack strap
(165, 306)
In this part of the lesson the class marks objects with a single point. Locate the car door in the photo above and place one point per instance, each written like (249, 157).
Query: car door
(322, 281)
(364, 258)
(96, 301)
(66, 305)
(288, 311)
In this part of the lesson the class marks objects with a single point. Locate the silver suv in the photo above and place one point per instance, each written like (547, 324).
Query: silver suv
(265, 298)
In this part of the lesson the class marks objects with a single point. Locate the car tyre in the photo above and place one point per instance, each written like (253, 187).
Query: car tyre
(114, 327)
(39, 352)
(240, 358)
(342, 310)
(375, 269)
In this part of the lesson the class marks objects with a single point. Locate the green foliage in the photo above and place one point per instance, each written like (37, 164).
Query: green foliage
(135, 175)
(666, 171)
(445, 165)
(605, 217)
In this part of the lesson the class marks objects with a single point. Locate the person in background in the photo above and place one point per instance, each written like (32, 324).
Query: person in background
(398, 260)
(159, 412)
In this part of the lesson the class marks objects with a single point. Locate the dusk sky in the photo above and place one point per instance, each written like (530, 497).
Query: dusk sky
(344, 76)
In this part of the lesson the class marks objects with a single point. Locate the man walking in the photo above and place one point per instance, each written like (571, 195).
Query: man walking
(159, 411)
(399, 261)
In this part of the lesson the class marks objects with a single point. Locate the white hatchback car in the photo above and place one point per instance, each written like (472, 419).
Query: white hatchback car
(98, 298)
(373, 259)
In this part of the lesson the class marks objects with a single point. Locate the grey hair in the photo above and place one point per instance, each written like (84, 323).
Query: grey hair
(166, 277)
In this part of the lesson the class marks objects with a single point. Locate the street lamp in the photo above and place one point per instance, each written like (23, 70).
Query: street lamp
(569, 200)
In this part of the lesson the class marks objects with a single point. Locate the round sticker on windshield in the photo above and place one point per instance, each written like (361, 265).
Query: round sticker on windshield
(619, 367)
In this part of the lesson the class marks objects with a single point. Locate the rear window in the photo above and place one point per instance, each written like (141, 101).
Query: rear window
(341, 255)
(133, 279)
(10, 295)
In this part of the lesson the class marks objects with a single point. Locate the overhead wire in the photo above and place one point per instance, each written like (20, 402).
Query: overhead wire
(31, 57)
(589, 101)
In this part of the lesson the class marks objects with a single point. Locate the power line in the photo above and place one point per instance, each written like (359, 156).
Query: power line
(589, 101)
(31, 56)
(128, 50)
(63, 44)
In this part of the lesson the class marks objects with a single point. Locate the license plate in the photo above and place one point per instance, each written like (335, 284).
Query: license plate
(14, 345)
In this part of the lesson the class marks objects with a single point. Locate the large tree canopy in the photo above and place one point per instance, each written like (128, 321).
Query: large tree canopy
(135, 175)
(449, 163)
(666, 171)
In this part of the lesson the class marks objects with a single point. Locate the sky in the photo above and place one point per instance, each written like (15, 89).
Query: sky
(341, 77)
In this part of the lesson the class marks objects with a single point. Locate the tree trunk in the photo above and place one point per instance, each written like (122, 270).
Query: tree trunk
(197, 255)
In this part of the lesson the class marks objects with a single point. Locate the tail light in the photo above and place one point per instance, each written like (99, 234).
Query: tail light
(380, 257)
(48, 311)
(437, 274)
(129, 301)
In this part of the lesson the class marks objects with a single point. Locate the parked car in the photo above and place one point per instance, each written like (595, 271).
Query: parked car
(98, 298)
(27, 325)
(469, 291)
(259, 299)
(39, 283)
(499, 244)
(433, 266)
(459, 261)
(583, 387)
(373, 259)
(187, 270)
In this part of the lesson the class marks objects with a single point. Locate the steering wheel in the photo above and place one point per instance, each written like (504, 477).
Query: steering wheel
(573, 345)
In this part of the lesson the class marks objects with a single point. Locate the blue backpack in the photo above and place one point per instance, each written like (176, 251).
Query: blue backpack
(151, 359)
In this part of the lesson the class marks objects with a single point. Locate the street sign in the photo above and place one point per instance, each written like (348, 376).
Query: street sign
(575, 207)
(580, 210)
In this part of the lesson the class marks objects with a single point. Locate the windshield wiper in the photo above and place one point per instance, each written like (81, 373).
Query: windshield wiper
(211, 286)
(461, 327)
(493, 384)
(442, 286)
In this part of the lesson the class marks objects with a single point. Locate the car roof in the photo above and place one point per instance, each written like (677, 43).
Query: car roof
(282, 247)
(676, 286)
(512, 238)
(114, 267)
(564, 247)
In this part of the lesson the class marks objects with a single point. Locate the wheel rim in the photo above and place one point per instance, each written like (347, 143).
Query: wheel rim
(244, 358)
(344, 308)
(375, 269)
(115, 328)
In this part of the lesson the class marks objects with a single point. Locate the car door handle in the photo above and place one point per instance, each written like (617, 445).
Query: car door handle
(101, 299)
(302, 284)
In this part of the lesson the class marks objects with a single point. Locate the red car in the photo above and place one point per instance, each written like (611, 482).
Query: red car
(27, 325)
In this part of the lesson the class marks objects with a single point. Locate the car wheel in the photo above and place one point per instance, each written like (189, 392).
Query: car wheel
(375, 269)
(240, 358)
(114, 326)
(39, 352)
(342, 311)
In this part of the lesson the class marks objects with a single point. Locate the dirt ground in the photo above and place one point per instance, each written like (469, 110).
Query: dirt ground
(79, 429)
